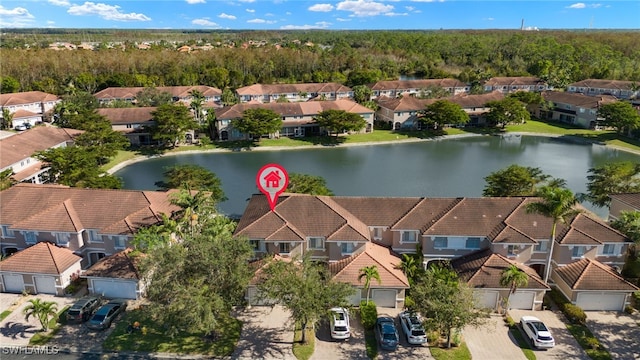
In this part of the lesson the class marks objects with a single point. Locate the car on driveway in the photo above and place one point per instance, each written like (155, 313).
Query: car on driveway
(537, 332)
(83, 308)
(339, 323)
(386, 333)
(105, 315)
(412, 327)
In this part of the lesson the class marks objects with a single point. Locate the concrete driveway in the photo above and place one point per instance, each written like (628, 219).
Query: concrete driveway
(16, 331)
(566, 345)
(8, 301)
(492, 340)
(267, 333)
(327, 348)
(404, 350)
(618, 331)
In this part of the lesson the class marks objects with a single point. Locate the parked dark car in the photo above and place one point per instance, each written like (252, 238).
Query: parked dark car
(386, 333)
(83, 308)
(105, 315)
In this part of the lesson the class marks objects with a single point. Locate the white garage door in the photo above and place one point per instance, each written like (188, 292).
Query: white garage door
(384, 298)
(601, 301)
(522, 300)
(13, 283)
(115, 288)
(45, 285)
(486, 299)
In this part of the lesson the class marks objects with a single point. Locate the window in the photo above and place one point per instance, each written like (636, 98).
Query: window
(94, 257)
(93, 236)
(30, 237)
(316, 243)
(377, 233)
(541, 246)
(6, 232)
(472, 243)
(440, 243)
(609, 249)
(409, 237)
(513, 250)
(346, 248)
(577, 252)
(284, 248)
(257, 245)
(62, 239)
(120, 242)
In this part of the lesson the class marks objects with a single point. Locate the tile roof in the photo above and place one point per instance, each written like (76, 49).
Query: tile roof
(483, 269)
(425, 214)
(514, 80)
(24, 144)
(258, 266)
(348, 270)
(577, 99)
(120, 265)
(305, 108)
(631, 199)
(604, 84)
(377, 211)
(41, 258)
(64, 209)
(28, 97)
(416, 84)
(127, 115)
(21, 113)
(586, 230)
(587, 274)
(411, 103)
(175, 91)
(264, 89)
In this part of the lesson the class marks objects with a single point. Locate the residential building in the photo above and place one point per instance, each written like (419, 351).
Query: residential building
(27, 107)
(443, 229)
(403, 112)
(116, 276)
(571, 108)
(512, 84)
(267, 93)
(623, 202)
(621, 89)
(131, 122)
(92, 223)
(298, 118)
(396, 88)
(178, 93)
(18, 150)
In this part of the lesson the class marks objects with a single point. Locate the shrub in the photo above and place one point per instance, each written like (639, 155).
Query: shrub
(409, 303)
(593, 343)
(558, 297)
(433, 337)
(575, 313)
(629, 310)
(368, 314)
(509, 321)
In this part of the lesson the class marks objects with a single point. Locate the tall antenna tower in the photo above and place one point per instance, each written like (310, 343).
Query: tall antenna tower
(591, 23)
(522, 25)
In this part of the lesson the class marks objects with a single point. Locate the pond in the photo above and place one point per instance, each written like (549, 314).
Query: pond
(451, 167)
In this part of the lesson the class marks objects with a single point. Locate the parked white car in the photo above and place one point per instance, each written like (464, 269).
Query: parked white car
(412, 326)
(537, 332)
(339, 323)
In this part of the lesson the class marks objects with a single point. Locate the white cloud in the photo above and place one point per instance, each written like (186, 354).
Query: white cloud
(261, 21)
(195, 1)
(409, 8)
(107, 12)
(364, 7)
(427, 0)
(226, 16)
(342, 19)
(247, 1)
(60, 2)
(288, 13)
(577, 6)
(204, 22)
(15, 18)
(250, 11)
(318, 25)
(489, 19)
(395, 14)
(321, 7)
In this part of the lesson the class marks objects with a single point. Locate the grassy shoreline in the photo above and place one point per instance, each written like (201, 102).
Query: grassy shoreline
(532, 127)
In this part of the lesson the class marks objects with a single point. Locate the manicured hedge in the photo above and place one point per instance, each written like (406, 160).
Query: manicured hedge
(368, 314)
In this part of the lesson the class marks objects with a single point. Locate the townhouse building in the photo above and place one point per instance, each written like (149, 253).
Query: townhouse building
(573, 108)
(620, 89)
(510, 84)
(178, 94)
(396, 88)
(28, 107)
(267, 93)
(133, 123)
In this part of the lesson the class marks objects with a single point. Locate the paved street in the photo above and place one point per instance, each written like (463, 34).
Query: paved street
(618, 331)
(566, 345)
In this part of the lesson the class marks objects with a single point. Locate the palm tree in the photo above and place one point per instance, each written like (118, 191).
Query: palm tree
(557, 204)
(43, 310)
(368, 273)
(514, 278)
(196, 104)
(408, 266)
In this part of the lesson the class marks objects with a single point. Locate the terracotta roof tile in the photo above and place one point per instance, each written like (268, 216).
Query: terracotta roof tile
(119, 265)
(514, 80)
(425, 213)
(24, 144)
(136, 115)
(41, 258)
(587, 274)
(474, 216)
(377, 211)
(348, 270)
(416, 84)
(631, 199)
(507, 235)
(275, 89)
(27, 97)
(580, 100)
(175, 91)
(483, 269)
(604, 84)
(307, 108)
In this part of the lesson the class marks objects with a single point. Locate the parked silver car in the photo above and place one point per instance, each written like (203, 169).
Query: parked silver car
(412, 327)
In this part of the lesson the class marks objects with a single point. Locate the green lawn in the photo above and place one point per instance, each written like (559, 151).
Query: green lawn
(300, 350)
(589, 343)
(156, 339)
(41, 338)
(455, 353)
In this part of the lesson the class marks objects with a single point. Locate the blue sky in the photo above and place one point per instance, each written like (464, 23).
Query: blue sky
(321, 14)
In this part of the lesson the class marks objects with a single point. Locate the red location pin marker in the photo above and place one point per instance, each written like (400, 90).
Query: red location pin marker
(272, 180)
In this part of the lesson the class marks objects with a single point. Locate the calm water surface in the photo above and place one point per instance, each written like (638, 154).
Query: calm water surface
(439, 168)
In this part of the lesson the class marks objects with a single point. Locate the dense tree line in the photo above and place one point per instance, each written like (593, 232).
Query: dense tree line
(351, 57)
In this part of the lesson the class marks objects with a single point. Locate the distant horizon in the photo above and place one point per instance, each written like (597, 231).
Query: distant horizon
(354, 15)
